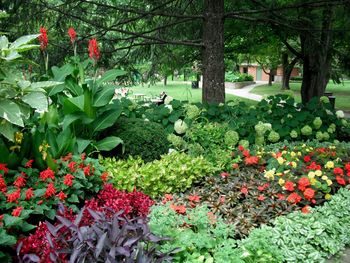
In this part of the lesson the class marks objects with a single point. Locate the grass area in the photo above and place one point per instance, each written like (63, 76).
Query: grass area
(181, 90)
(340, 91)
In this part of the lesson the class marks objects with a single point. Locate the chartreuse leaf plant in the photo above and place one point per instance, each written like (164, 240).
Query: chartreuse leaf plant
(174, 172)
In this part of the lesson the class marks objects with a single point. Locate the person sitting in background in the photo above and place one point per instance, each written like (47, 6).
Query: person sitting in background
(162, 97)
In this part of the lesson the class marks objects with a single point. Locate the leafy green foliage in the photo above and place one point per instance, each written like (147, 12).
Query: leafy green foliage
(311, 237)
(200, 235)
(172, 173)
(145, 139)
(237, 77)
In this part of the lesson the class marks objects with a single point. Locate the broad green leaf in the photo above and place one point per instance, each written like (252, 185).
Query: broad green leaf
(11, 112)
(73, 198)
(7, 130)
(4, 42)
(73, 87)
(5, 239)
(36, 100)
(108, 143)
(10, 221)
(24, 48)
(23, 40)
(24, 84)
(25, 110)
(39, 192)
(82, 144)
(88, 108)
(110, 75)
(12, 56)
(27, 227)
(106, 120)
(61, 73)
(104, 96)
(46, 84)
(74, 104)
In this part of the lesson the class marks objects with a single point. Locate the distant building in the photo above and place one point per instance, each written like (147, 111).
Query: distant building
(256, 71)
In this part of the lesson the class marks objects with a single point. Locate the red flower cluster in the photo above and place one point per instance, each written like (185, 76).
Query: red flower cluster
(29, 164)
(50, 190)
(251, 160)
(94, 52)
(72, 34)
(294, 198)
(289, 186)
(181, 209)
(47, 174)
(3, 186)
(29, 194)
(19, 182)
(68, 180)
(44, 41)
(309, 193)
(4, 168)
(14, 196)
(303, 183)
(313, 166)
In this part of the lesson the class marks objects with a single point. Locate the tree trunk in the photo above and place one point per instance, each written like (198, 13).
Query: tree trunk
(165, 80)
(213, 52)
(270, 79)
(287, 70)
(317, 56)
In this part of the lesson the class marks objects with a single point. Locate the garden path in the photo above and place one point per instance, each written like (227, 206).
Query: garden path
(245, 91)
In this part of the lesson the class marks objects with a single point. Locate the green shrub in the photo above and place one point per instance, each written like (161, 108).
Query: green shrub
(311, 237)
(141, 138)
(237, 77)
(174, 172)
(201, 236)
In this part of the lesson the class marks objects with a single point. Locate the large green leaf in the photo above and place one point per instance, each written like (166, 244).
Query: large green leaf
(104, 96)
(23, 40)
(12, 220)
(106, 120)
(73, 87)
(7, 130)
(4, 42)
(61, 73)
(74, 104)
(12, 56)
(11, 112)
(108, 143)
(45, 84)
(70, 118)
(110, 75)
(82, 145)
(88, 108)
(36, 100)
(5, 239)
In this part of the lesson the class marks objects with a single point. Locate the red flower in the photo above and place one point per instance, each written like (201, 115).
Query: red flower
(281, 196)
(167, 197)
(50, 190)
(261, 188)
(83, 156)
(294, 198)
(313, 166)
(71, 166)
(46, 174)
(72, 34)
(14, 196)
(194, 198)
(251, 160)
(86, 170)
(224, 174)
(68, 180)
(289, 186)
(40, 202)
(309, 193)
(235, 166)
(303, 183)
(44, 41)
(241, 148)
(3, 186)
(29, 193)
(29, 164)
(307, 159)
(261, 198)
(338, 171)
(246, 153)
(17, 211)
(19, 182)
(61, 196)
(4, 168)
(347, 166)
(244, 190)
(94, 52)
(104, 176)
(181, 209)
(305, 209)
(340, 180)
(68, 157)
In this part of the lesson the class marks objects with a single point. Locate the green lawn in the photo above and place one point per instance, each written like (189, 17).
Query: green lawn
(340, 91)
(181, 90)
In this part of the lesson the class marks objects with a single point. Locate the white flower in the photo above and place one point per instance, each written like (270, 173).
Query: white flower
(170, 107)
(168, 99)
(180, 126)
(339, 114)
